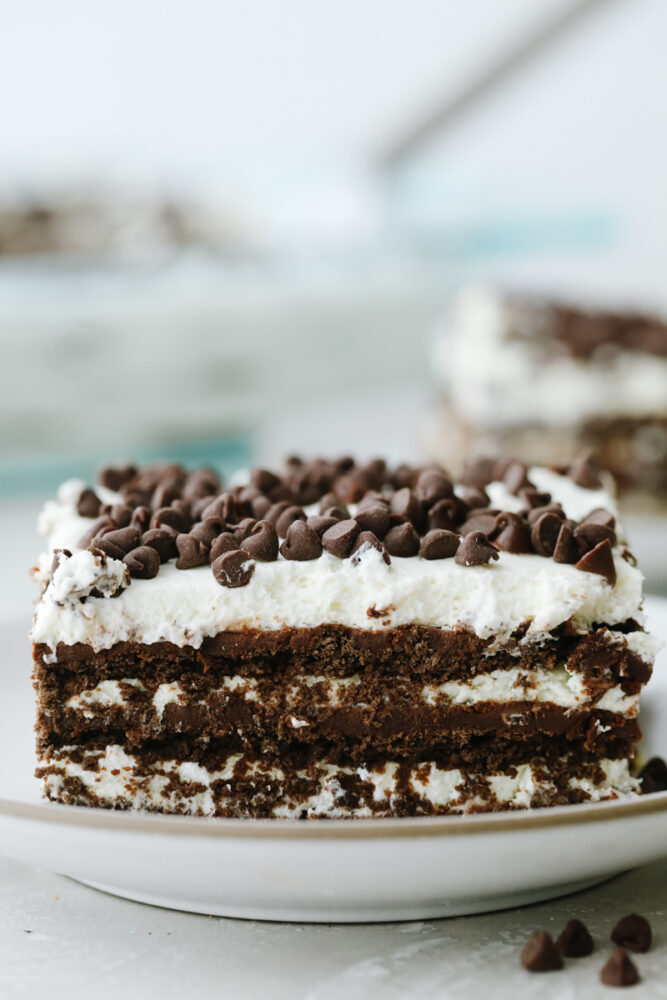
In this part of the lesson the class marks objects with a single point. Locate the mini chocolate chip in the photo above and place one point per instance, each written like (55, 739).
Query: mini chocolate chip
(475, 550)
(207, 531)
(141, 517)
(122, 514)
(533, 498)
(439, 543)
(115, 476)
(275, 510)
(516, 478)
(475, 498)
(320, 523)
(405, 503)
(372, 498)
(226, 542)
(201, 483)
(511, 533)
(575, 940)
(653, 776)
(375, 519)
(550, 508)
(262, 542)
(260, 505)
(432, 486)
(482, 519)
(339, 513)
(566, 549)
(123, 538)
(191, 552)
(592, 534)
(164, 494)
(544, 533)
(142, 562)
(540, 953)
(601, 516)
(446, 514)
(633, 932)
(171, 517)
(366, 540)
(599, 560)
(287, 517)
(619, 970)
(264, 480)
(243, 528)
(402, 540)
(302, 543)
(233, 569)
(88, 504)
(340, 537)
(328, 500)
(102, 523)
(162, 541)
(478, 472)
(584, 472)
(405, 475)
(135, 497)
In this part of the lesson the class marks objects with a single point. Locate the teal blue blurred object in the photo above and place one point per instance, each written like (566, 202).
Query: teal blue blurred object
(42, 474)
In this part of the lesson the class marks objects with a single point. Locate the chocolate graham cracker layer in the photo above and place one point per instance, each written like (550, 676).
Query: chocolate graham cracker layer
(338, 640)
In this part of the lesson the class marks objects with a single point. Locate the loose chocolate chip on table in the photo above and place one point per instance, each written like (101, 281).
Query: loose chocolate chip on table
(439, 543)
(599, 560)
(192, 552)
(142, 562)
(262, 542)
(88, 504)
(575, 940)
(567, 549)
(432, 486)
(475, 550)
(584, 472)
(233, 569)
(632, 932)
(115, 476)
(544, 533)
(511, 533)
(226, 542)
(402, 540)
(375, 519)
(301, 544)
(339, 539)
(653, 776)
(619, 970)
(540, 953)
(286, 518)
(365, 540)
(162, 541)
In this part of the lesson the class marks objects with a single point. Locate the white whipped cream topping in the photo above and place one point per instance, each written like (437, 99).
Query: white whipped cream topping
(117, 780)
(186, 606)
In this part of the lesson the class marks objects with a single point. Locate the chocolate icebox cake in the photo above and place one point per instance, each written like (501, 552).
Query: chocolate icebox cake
(338, 640)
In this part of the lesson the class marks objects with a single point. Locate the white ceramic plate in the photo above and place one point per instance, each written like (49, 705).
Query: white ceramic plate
(331, 870)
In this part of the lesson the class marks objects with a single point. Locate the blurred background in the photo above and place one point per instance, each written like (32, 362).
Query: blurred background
(227, 230)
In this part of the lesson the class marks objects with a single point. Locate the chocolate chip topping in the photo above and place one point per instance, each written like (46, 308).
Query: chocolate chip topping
(584, 472)
(475, 550)
(192, 552)
(208, 530)
(653, 776)
(439, 544)
(402, 540)
(233, 569)
(264, 480)
(88, 504)
(115, 476)
(287, 517)
(432, 486)
(96, 528)
(483, 520)
(320, 523)
(162, 541)
(475, 498)
(226, 542)
(551, 508)
(599, 560)
(575, 940)
(140, 518)
(339, 539)
(262, 542)
(567, 550)
(302, 543)
(406, 505)
(171, 517)
(516, 478)
(619, 970)
(367, 539)
(540, 953)
(478, 472)
(142, 562)
(374, 518)
(592, 534)
(533, 498)
(633, 932)
(544, 533)
(511, 533)
(446, 514)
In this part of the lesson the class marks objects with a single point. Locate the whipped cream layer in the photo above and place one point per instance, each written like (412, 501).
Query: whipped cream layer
(119, 780)
(490, 358)
(186, 606)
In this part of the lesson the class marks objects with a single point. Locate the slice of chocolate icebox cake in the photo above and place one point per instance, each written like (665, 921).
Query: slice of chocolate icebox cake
(337, 640)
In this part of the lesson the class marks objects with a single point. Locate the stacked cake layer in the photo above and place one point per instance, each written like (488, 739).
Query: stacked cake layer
(338, 640)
